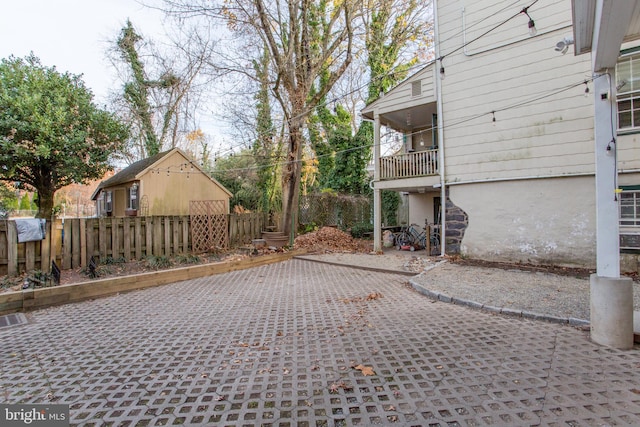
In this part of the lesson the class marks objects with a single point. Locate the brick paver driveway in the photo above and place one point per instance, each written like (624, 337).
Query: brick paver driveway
(280, 345)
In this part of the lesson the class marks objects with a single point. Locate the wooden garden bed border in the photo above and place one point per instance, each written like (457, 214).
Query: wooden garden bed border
(32, 299)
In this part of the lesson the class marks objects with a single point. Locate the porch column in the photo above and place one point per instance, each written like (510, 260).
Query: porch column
(377, 198)
(611, 295)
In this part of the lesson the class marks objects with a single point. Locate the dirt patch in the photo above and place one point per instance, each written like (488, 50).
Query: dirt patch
(553, 269)
(119, 267)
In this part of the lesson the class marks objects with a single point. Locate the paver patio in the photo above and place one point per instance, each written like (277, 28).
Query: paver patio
(279, 345)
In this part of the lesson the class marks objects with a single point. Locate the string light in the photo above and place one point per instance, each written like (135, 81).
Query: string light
(586, 88)
(532, 25)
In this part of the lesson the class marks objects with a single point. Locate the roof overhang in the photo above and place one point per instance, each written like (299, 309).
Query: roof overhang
(601, 26)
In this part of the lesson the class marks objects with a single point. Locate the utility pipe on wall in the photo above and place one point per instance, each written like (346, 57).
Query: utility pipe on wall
(443, 190)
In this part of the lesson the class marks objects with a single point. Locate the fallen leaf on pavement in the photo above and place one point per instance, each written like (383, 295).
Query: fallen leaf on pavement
(366, 370)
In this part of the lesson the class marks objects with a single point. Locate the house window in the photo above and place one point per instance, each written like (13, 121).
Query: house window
(132, 197)
(630, 208)
(108, 203)
(628, 97)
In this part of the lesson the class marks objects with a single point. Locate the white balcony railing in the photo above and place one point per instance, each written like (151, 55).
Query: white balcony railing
(408, 165)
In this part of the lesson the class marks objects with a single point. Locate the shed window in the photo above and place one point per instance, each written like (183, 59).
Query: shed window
(628, 96)
(132, 197)
(108, 203)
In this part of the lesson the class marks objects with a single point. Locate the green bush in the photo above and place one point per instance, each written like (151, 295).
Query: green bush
(358, 230)
(188, 259)
(158, 262)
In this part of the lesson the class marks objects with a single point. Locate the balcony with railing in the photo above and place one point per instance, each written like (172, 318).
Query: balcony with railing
(409, 165)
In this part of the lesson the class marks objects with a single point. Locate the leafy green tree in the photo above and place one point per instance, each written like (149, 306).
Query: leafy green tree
(25, 202)
(8, 200)
(136, 92)
(266, 148)
(237, 172)
(51, 132)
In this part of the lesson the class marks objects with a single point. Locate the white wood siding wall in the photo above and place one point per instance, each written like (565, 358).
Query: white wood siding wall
(508, 71)
(400, 98)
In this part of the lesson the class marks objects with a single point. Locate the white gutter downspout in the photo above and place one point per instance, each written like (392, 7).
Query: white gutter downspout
(443, 191)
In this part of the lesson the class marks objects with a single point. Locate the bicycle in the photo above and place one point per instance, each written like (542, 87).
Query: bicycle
(434, 239)
(411, 237)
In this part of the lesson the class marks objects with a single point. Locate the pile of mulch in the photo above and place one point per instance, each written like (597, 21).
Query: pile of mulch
(330, 239)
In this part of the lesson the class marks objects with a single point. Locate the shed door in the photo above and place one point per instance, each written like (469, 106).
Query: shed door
(120, 202)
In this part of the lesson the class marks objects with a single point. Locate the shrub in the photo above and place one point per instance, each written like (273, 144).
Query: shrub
(358, 230)
(158, 262)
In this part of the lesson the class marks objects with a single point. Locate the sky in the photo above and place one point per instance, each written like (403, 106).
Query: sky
(73, 35)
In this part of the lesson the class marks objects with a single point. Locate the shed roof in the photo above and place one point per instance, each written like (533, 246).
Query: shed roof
(135, 170)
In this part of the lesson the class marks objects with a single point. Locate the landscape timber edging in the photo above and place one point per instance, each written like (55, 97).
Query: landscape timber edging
(31, 299)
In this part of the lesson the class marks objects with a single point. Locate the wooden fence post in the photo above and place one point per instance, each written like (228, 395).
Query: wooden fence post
(185, 234)
(75, 243)
(12, 248)
(91, 241)
(138, 237)
(157, 236)
(66, 244)
(148, 235)
(167, 236)
(29, 256)
(102, 238)
(126, 237)
(176, 235)
(83, 243)
(115, 241)
(45, 247)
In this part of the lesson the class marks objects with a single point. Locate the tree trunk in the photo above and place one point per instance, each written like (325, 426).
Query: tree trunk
(291, 179)
(45, 203)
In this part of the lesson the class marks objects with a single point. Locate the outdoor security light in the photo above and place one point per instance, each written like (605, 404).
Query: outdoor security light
(563, 45)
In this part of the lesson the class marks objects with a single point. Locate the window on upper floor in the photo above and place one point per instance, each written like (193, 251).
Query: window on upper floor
(628, 84)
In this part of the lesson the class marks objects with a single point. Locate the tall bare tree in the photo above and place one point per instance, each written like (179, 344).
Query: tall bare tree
(304, 38)
(162, 87)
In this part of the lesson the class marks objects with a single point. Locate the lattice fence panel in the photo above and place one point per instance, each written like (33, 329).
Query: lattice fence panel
(329, 209)
(209, 225)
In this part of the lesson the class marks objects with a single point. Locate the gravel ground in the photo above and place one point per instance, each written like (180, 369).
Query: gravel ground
(537, 292)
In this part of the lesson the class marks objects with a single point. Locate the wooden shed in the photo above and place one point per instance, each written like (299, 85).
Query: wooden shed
(163, 184)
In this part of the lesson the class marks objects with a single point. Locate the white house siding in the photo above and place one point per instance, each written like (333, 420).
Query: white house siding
(400, 98)
(629, 153)
(546, 221)
(421, 208)
(552, 136)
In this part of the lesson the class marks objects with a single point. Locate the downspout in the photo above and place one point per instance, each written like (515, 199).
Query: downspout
(443, 190)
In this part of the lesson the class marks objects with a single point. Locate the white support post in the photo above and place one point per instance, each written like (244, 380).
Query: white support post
(611, 296)
(607, 229)
(377, 198)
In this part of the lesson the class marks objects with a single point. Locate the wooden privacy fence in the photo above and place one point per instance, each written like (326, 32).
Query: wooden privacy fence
(72, 243)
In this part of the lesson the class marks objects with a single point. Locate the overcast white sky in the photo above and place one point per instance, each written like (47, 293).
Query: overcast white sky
(72, 34)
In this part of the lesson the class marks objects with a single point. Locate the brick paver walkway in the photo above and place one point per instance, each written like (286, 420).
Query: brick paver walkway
(279, 346)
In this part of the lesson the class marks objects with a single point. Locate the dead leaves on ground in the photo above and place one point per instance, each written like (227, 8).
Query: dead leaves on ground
(366, 370)
(371, 297)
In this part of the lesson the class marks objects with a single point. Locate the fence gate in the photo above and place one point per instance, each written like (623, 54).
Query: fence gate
(209, 225)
